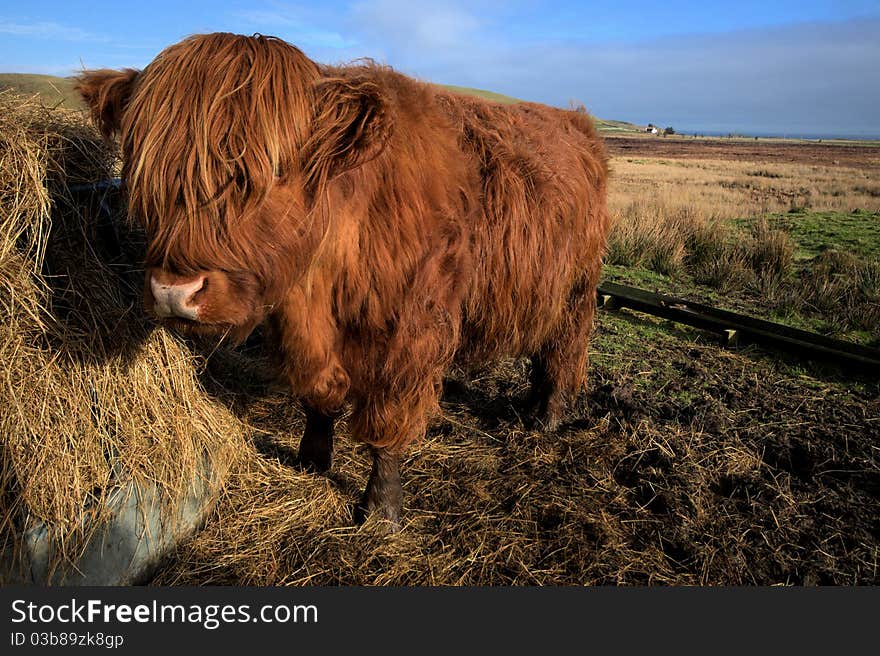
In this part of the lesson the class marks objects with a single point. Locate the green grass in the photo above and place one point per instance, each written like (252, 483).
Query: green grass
(616, 127)
(683, 286)
(481, 93)
(857, 233)
(52, 89)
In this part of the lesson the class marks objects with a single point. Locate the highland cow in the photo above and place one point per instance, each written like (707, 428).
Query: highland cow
(381, 228)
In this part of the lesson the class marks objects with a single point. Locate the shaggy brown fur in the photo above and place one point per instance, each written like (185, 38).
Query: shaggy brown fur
(383, 228)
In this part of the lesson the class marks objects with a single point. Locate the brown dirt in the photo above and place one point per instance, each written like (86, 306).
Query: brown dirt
(852, 155)
(685, 464)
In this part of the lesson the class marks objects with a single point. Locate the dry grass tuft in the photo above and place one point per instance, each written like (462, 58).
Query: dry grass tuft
(669, 238)
(714, 258)
(653, 234)
(770, 252)
(844, 288)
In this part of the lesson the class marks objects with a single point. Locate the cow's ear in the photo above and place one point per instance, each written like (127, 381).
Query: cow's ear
(351, 126)
(106, 93)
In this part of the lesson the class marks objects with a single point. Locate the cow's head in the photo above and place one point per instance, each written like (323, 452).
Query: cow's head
(228, 144)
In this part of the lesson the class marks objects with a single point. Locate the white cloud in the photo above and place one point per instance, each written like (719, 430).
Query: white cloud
(49, 30)
(289, 22)
(413, 27)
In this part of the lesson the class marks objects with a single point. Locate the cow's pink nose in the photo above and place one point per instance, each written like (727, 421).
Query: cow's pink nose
(178, 299)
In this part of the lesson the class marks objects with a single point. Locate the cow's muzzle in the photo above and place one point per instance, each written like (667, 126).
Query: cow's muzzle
(177, 298)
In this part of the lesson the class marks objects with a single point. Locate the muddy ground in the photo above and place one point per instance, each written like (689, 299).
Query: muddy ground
(684, 463)
(852, 154)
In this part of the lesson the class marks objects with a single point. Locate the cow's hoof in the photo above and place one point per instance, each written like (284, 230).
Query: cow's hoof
(385, 514)
(314, 460)
(314, 465)
(546, 422)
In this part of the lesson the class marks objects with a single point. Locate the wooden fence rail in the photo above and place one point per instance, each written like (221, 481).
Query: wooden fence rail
(739, 328)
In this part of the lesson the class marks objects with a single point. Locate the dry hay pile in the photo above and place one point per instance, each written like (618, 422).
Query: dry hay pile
(90, 396)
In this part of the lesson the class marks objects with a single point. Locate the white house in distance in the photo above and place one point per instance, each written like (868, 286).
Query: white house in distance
(652, 129)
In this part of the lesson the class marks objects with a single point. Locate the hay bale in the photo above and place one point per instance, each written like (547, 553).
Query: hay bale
(95, 404)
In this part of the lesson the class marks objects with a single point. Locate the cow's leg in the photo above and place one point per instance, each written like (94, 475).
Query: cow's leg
(387, 425)
(405, 392)
(383, 496)
(316, 445)
(545, 399)
(559, 369)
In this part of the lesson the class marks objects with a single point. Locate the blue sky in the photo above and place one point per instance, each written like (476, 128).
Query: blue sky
(809, 66)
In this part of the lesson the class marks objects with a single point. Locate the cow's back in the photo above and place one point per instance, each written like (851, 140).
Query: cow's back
(543, 224)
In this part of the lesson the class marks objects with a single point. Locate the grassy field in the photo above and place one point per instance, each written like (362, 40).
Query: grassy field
(54, 90)
(617, 127)
(796, 242)
(603, 125)
(481, 93)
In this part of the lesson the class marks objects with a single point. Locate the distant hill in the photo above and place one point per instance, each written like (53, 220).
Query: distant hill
(602, 125)
(481, 93)
(53, 90)
(619, 127)
(59, 91)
